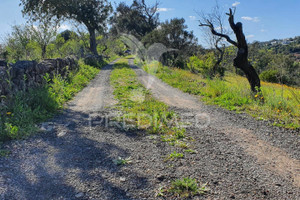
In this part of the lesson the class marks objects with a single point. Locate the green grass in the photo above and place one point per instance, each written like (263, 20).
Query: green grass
(277, 103)
(22, 111)
(191, 151)
(121, 161)
(184, 188)
(175, 155)
(139, 108)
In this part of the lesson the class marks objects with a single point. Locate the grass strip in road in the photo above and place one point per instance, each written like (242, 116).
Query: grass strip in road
(139, 108)
(281, 104)
(22, 111)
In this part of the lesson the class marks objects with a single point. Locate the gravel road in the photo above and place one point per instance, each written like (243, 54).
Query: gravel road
(237, 156)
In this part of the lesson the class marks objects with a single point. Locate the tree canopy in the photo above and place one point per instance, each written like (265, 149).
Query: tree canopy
(91, 13)
(174, 35)
(137, 19)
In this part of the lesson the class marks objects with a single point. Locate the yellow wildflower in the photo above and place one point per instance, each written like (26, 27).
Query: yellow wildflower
(256, 96)
(8, 113)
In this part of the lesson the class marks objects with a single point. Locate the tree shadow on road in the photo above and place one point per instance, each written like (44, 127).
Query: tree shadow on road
(76, 165)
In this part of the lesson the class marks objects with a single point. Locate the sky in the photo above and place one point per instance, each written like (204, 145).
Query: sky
(263, 20)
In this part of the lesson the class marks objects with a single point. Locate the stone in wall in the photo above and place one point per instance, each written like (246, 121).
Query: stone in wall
(29, 74)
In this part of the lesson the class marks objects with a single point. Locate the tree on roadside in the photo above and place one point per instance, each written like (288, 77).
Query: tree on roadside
(92, 13)
(150, 12)
(137, 19)
(30, 41)
(44, 33)
(18, 41)
(216, 43)
(241, 61)
(174, 35)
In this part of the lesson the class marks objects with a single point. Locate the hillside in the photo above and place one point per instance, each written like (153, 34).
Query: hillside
(288, 46)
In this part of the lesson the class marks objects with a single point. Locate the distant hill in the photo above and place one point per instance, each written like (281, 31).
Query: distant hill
(288, 46)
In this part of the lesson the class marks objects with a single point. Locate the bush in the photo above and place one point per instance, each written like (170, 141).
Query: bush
(93, 60)
(205, 66)
(195, 64)
(270, 76)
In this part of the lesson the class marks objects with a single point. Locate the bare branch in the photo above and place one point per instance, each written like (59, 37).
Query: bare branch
(213, 31)
(231, 20)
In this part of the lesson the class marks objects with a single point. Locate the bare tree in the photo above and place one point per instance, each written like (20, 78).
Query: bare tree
(214, 41)
(241, 61)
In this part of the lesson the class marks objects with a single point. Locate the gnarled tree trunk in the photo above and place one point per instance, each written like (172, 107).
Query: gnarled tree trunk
(93, 44)
(241, 60)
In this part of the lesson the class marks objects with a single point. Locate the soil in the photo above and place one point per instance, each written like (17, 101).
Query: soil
(237, 156)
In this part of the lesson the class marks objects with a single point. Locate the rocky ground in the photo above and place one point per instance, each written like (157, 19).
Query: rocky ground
(237, 156)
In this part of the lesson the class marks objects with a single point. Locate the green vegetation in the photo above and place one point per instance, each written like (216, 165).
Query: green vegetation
(22, 44)
(4, 153)
(184, 188)
(173, 34)
(282, 66)
(121, 161)
(175, 155)
(138, 106)
(180, 144)
(204, 65)
(143, 18)
(141, 111)
(191, 151)
(22, 111)
(272, 76)
(93, 14)
(278, 103)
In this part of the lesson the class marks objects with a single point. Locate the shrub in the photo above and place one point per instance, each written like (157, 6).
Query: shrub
(270, 76)
(93, 60)
(204, 66)
(195, 64)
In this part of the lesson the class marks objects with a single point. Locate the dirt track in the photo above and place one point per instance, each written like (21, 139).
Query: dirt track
(238, 157)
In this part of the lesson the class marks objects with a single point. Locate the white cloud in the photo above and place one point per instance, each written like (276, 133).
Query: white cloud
(263, 30)
(253, 19)
(164, 9)
(250, 36)
(247, 18)
(192, 17)
(235, 4)
(64, 27)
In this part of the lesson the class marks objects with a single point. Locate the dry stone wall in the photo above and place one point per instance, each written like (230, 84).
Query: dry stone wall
(29, 74)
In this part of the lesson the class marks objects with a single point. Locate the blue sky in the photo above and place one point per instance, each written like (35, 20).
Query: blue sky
(263, 19)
